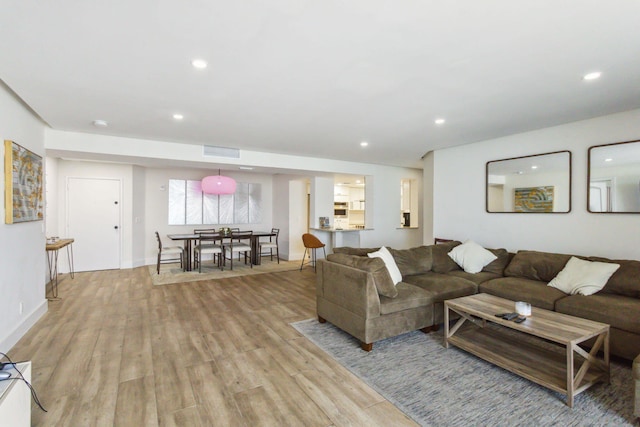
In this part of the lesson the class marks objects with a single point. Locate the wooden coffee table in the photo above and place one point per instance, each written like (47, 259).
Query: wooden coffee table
(570, 372)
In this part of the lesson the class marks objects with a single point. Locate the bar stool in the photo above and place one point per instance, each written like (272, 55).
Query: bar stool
(311, 243)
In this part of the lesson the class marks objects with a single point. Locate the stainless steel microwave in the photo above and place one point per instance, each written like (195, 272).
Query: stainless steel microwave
(340, 212)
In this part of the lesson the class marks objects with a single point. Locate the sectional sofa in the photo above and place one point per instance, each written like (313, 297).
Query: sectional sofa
(356, 293)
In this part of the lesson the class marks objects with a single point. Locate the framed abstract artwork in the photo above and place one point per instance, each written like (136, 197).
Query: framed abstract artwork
(23, 182)
(534, 199)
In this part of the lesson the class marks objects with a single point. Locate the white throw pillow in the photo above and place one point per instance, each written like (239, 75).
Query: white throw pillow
(386, 256)
(583, 277)
(471, 257)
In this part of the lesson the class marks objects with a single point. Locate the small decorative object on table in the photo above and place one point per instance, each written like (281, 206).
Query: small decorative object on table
(523, 308)
(324, 222)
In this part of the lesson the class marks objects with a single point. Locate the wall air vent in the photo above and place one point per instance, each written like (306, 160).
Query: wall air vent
(210, 150)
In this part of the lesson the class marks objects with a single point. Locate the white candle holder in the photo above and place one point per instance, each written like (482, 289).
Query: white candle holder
(523, 308)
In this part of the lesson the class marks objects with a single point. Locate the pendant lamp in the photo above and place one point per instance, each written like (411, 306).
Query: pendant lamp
(218, 184)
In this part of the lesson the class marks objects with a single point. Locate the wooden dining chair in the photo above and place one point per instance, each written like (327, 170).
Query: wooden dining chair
(239, 242)
(171, 252)
(207, 245)
(200, 231)
(311, 243)
(271, 245)
(204, 230)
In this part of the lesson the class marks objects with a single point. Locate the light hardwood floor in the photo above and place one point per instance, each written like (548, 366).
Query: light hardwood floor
(117, 350)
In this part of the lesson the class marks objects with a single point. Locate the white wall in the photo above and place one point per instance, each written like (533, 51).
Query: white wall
(459, 192)
(22, 253)
(76, 169)
(382, 188)
(51, 195)
(558, 180)
(139, 212)
(383, 209)
(157, 203)
(290, 214)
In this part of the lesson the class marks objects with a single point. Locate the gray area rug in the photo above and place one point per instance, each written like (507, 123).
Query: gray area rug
(449, 387)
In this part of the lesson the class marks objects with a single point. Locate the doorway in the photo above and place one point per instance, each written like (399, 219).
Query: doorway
(93, 221)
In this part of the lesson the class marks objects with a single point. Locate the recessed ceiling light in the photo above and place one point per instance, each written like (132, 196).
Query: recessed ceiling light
(592, 76)
(199, 64)
(534, 167)
(608, 160)
(364, 143)
(100, 123)
(178, 116)
(439, 121)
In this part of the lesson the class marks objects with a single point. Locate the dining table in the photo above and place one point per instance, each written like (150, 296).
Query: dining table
(188, 239)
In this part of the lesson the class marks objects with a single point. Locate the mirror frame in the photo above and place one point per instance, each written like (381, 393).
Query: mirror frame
(589, 177)
(486, 186)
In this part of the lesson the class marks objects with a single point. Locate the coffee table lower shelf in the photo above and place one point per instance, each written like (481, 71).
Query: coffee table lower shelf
(544, 366)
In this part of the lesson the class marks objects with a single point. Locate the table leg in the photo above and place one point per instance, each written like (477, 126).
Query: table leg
(446, 325)
(570, 384)
(255, 247)
(187, 247)
(70, 259)
(52, 261)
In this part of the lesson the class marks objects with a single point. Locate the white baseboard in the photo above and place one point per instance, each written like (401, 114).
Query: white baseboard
(29, 320)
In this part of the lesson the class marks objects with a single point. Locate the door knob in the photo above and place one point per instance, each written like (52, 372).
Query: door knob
(116, 227)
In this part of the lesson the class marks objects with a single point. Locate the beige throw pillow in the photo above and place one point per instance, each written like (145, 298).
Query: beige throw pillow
(471, 257)
(583, 277)
(386, 256)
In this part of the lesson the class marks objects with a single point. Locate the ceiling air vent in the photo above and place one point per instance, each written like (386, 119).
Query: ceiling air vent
(210, 150)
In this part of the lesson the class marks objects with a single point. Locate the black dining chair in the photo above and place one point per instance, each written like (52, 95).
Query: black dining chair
(207, 245)
(239, 242)
(200, 231)
(171, 251)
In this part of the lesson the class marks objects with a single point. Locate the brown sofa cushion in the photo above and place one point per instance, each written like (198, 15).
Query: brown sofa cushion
(412, 261)
(409, 297)
(615, 310)
(476, 278)
(375, 266)
(542, 266)
(518, 289)
(443, 286)
(498, 265)
(353, 251)
(442, 262)
(625, 281)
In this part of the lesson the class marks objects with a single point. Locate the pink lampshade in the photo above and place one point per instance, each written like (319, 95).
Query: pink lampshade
(218, 184)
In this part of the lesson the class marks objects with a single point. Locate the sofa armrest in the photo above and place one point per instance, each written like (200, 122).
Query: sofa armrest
(348, 287)
(636, 385)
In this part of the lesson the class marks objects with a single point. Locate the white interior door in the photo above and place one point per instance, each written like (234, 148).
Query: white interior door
(93, 220)
(599, 196)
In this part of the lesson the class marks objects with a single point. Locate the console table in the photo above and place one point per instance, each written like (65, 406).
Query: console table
(52, 260)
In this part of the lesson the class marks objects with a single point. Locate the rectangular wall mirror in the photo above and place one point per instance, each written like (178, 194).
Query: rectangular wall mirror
(539, 183)
(614, 178)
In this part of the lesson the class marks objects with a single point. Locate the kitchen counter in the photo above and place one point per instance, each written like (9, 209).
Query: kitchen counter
(336, 237)
(338, 230)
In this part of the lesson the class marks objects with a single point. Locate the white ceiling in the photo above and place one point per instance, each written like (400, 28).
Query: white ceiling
(315, 78)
